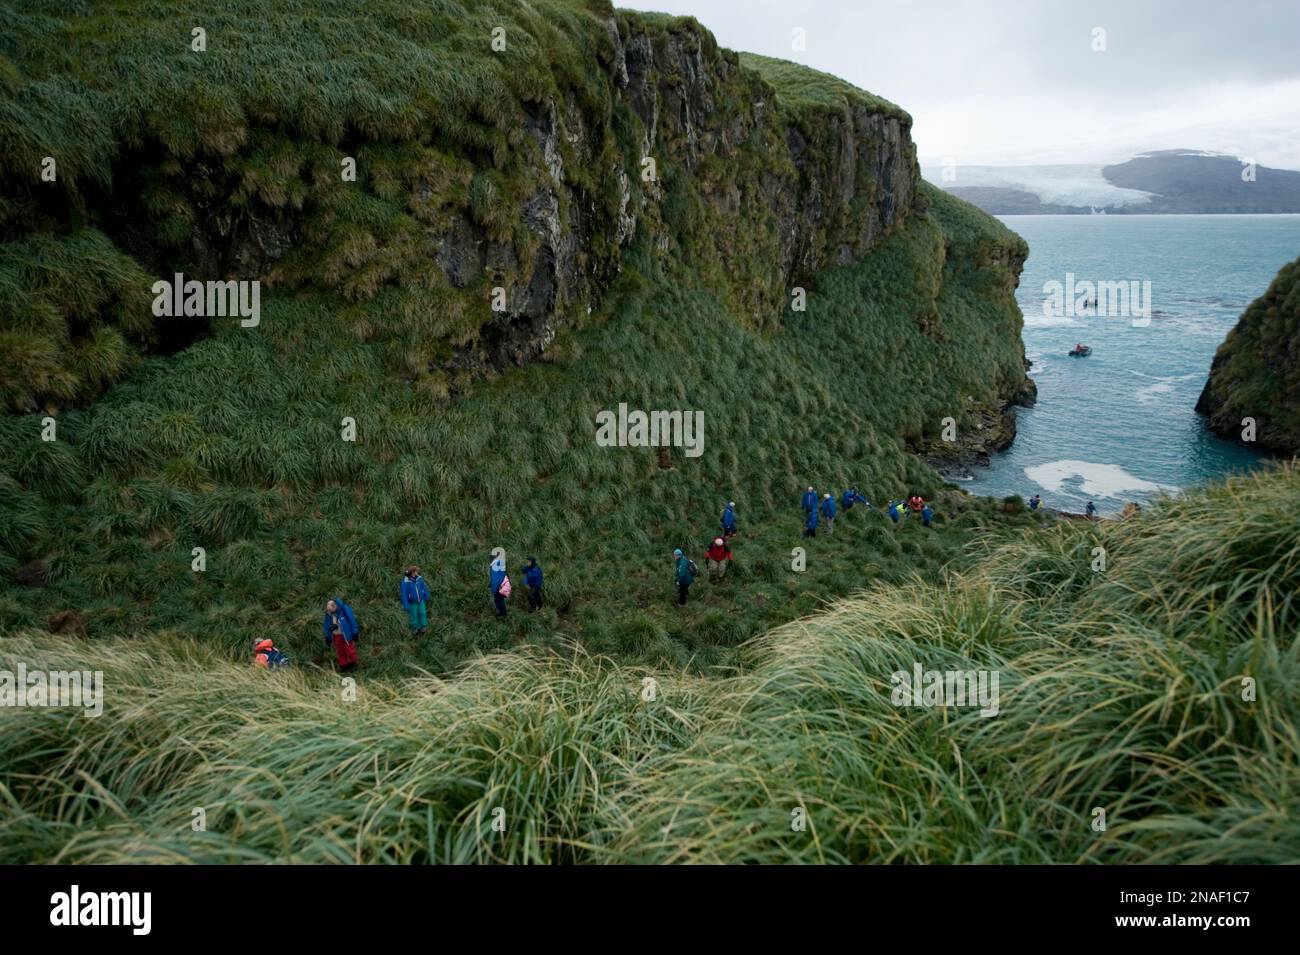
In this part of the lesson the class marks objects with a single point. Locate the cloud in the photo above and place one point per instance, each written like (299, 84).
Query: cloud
(1020, 81)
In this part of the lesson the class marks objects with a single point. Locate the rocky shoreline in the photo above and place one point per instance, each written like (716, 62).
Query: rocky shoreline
(991, 428)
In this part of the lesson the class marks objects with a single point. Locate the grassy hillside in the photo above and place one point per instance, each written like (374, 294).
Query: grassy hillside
(477, 168)
(1256, 371)
(1120, 690)
(522, 169)
(233, 445)
(519, 166)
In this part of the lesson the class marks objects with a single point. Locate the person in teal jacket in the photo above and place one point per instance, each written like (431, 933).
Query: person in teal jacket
(414, 594)
(682, 575)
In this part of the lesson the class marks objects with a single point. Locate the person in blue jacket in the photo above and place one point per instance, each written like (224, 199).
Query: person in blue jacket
(895, 510)
(828, 512)
(533, 580)
(1035, 502)
(810, 525)
(853, 496)
(414, 593)
(340, 628)
(927, 515)
(729, 520)
(1091, 510)
(497, 577)
(810, 499)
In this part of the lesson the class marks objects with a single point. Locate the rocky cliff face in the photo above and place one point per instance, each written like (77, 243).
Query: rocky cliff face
(477, 225)
(710, 169)
(1255, 374)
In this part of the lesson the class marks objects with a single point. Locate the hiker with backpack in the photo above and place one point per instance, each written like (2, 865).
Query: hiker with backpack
(717, 557)
(266, 656)
(828, 511)
(498, 584)
(414, 594)
(729, 520)
(684, 571)
(533, 581)
(340, 628)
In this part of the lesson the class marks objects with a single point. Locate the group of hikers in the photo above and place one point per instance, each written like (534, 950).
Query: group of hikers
(340, 628)
(818, 512)
(815, 512)
(500, 589)
(1090, 512)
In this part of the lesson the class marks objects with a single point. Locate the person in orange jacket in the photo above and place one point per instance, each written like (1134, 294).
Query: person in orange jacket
(266, 656)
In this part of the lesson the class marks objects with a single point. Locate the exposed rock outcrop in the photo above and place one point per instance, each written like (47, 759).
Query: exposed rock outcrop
(1253, 390)
(491, 227)
(780, 191)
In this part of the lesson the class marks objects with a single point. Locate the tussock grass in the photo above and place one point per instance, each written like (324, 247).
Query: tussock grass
(1112, 695)
(234, 444)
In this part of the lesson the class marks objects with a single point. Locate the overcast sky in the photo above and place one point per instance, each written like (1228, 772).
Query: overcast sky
(1018, 81)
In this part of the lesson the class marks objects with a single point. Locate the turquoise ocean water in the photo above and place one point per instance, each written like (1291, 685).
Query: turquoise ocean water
(1119, 425)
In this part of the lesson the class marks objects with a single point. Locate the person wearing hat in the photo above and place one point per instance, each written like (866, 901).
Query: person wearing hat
(729, 520)
(683, 574)
(716, 558)
(414, 594)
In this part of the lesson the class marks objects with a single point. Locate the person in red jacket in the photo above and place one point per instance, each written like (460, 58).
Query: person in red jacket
(717, 557)
(916, 502)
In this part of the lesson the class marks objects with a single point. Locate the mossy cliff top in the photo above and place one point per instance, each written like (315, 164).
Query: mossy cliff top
(496, 145)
